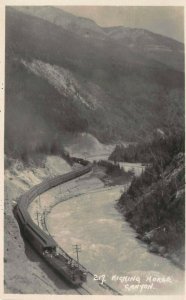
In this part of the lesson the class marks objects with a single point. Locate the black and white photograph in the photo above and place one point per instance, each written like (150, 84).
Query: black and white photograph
(94, 150)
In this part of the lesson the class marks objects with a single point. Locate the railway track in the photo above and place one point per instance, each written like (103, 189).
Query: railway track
(105, 285)
(83, 291)
(39, 238)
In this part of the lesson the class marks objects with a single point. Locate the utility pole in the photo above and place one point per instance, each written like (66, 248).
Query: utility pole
(37, 215)
(38, 210)
(77, 249)
(44, 221)
(39, 203)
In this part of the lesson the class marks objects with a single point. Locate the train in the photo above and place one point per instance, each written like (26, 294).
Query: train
(43, 243)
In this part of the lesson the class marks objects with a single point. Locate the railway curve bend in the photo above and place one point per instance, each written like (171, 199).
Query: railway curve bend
(44, 244)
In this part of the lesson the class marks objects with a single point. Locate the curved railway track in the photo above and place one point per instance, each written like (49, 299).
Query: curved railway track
(41, 240)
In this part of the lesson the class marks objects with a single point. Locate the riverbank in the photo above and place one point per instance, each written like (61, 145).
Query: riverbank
(108, 245)
(177, 257)
(155, 209)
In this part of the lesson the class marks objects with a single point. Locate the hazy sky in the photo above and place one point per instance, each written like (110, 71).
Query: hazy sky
(167, 21)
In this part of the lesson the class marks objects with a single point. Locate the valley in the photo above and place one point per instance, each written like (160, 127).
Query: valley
(113, 96)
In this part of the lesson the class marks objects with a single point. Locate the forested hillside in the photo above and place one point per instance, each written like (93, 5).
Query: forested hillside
(66, 75)
(155, 202)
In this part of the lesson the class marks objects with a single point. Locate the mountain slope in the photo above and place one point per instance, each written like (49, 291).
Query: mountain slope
(154, 46)
(79, 25)
(59, 82)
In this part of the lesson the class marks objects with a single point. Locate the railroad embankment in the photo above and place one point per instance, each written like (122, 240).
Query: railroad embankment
(18, 256)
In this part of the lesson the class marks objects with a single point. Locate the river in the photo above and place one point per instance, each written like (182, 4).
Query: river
(109, 247)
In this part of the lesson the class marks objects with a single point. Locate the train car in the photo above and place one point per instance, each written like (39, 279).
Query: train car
(47, 248)
(19, 216)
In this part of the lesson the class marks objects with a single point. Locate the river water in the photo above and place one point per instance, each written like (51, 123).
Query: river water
(109, 247)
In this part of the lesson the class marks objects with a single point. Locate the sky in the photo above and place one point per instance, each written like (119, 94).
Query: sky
(168, 21)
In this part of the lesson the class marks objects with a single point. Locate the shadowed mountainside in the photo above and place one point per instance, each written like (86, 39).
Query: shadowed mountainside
(66, 74)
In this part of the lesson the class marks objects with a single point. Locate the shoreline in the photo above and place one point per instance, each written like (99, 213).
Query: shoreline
(151, 245)
(57, 215)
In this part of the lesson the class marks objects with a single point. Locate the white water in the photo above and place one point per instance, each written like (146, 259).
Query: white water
(108, 244)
